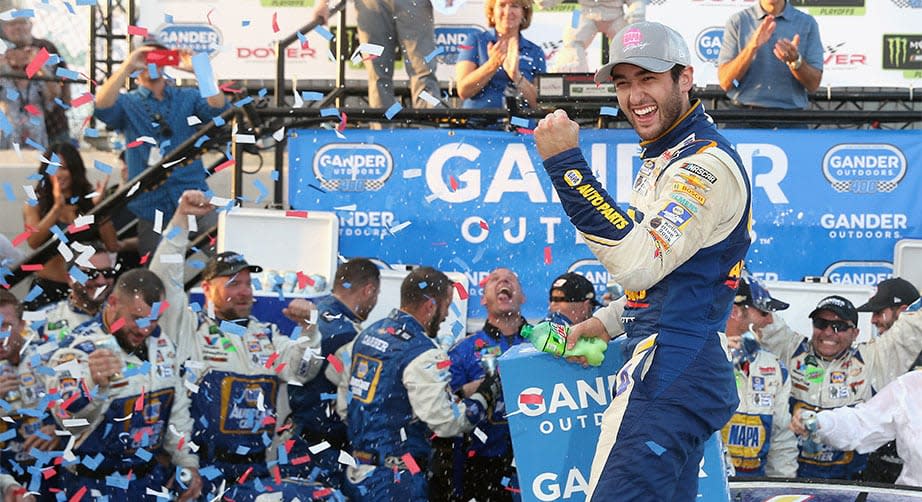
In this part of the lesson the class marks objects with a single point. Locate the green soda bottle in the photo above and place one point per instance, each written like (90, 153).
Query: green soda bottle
(552, 338)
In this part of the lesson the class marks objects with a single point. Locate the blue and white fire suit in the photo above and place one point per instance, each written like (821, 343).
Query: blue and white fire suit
(851, 378)
(313, 405)
(60, 319)
(233, 371)
(400, 396)
(120, 428)
(678, 250)
(758, 438)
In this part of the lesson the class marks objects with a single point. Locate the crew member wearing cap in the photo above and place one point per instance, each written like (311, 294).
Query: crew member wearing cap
(677, 249)
(829, 371)
(572, 299)
(234, 363)
(892, 298)
(757, 437)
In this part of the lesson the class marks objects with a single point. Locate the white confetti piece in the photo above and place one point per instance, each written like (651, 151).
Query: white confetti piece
(65, 252)
(173, 163)
(219, 201)
(158, 221)
(409, 174)
(279, 135)
(403, 434)
(261, 402)
(193, 223)
(134, 189)
(193, 388)
(346, 459)
(193, 120)
(171, 258)
(75, 422)
(246, 139)
(350, 207)
(30, 192)
(429, 98)
(86, 219)
(122, 419)
(400, 226)
(165, 495)
(319, 447)
(482, 436)
(147, 139)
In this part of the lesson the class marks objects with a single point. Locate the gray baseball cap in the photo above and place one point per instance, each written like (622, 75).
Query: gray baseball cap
(652, 46)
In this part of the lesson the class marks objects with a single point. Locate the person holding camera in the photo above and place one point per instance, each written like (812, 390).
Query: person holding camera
(159, 110)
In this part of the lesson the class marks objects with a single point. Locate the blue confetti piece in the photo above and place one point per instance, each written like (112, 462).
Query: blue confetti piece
(102, 166)
(423, 284)
(393, 110)
(326, 396)
(302, 38)
(116, 480)
(34, 144)
(168, 18)
(242, 450)
(78, 275)
(520, 122)
(33, 294)
(210, 472)
(266, 439)
(283, 455)
(199, 142)
(196, 264)
(152, 71)
(8, 190)
(204, 73)
(143, 322)
(295, 332)
(432, 55)
(324, 32)
(245, 23)
(53, 60)
(70, 8)
(87, 2)
(66, 73)
(89, 132)
(92, 463)
(274, 175)
(329, 112)
(8, 435)
(23, 13)
(655, 448)
(194, 306)
(243, 102)
(234, 329)
(62, 104)
(574, 19)
(218, 121)
(144, 454)
(262, 92)
(262, 189)
(311, 95)
(736, 83)
(609, 110)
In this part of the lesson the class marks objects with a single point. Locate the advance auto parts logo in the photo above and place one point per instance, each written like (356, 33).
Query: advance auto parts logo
(353, 167)
(864, 168)
(903, 52)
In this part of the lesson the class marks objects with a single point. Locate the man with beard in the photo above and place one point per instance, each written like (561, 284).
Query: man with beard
(88, 293)
(400, 394)
(487, 463)
(23, 389)
(677, 249)
(313, 405)
(122, 399)
(232, 362)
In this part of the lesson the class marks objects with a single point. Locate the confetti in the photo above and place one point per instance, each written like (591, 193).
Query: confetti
(429, 98)
(81, 100)
(609, 110)
(311, 95)
(275, 22)
(393, 110)
(37, 62)
(574, 19)
(519, 122)
(462, 292)
(117, 325)
(296, 214)
(410, 462)
(137, 30)
(324, 32)
(432, 55)
(224, 165)
(412, 173)
(335, 363)
(531, 398)
(204, 73)
(547, 255)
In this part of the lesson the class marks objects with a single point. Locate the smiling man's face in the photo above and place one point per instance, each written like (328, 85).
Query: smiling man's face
(502, 293)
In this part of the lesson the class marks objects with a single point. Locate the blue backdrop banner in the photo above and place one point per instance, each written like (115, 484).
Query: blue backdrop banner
(825, 203)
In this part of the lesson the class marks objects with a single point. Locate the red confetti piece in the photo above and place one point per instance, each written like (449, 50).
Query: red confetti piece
(484, 225)
(276, 475)
(37, 62)
(443, 364)
(19, 239)
(227, 87)
(288, 445)
(465, 47)
(304, 280)
(134, 144)
(67, 402)
(531, 399)
(479, 343)
(471, 454)
(335, 362)
(522, 130)
(280, 368)
(301, 460)
(285, 428)
(224, 165)
(208, 16)
(31, 267)
(50, 472)
(117, 325)
(410, 463)
(462, 293)
(271, 360)
(182, 441)
(81, 100)
(296, 214)
(246, 474)
(75, 230)
(547, 255)
(342, 122)
(32, 110)
(137, 30)
(139, 404)
(275, 22)
(145, 258)
(81, 492)
(267, 420)
(483, 282)
(321, 493)
(453, 182)
(163, 306)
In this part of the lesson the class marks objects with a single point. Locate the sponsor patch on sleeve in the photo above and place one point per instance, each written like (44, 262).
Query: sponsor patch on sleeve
(573, 177)
(666, 233)
(690, 192)
(676, 214)
(700, 172)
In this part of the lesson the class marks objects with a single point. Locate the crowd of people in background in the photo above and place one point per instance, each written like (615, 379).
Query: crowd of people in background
(115, 383)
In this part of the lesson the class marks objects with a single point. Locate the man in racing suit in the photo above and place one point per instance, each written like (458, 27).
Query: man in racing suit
(400, 394)
(829, 371)
(233, 364)
(27, 426)
(87, 295)
(678, 250)
(757, 437)
(313, 405)
(122, 399)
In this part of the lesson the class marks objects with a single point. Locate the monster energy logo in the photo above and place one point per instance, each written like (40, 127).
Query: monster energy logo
(897, 51)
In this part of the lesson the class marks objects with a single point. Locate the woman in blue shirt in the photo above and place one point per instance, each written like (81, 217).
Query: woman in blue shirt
(500, 58)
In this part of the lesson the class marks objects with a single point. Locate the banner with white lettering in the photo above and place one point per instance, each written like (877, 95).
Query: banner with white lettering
(825, 203)
(865, 42)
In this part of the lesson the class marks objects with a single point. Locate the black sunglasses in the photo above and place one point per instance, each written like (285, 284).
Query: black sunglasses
(92, 273)
(837, 326)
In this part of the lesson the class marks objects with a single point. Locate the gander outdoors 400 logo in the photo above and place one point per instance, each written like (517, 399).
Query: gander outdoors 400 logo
(903, 52)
